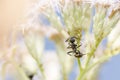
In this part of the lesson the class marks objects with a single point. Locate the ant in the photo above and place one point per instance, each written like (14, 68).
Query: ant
(74, 47)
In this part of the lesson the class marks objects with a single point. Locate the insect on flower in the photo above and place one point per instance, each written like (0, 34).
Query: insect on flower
(74, 47)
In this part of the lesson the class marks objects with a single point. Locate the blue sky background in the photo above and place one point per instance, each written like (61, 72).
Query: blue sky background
(111, 69)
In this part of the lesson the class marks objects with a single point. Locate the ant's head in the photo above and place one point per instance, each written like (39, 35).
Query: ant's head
(72, 40)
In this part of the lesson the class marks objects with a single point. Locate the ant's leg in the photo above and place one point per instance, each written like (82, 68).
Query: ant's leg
(69, 44)
(78, 46)
(69, 47)
(78, 52)
(67, 40)
(69, 53)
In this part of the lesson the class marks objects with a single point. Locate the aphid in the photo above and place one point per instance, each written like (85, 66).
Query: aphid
(74, 47)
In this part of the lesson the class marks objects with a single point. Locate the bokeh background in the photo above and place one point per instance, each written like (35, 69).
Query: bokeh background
(13, 12)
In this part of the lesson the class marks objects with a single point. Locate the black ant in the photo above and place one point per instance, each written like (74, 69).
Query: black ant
(74, 47)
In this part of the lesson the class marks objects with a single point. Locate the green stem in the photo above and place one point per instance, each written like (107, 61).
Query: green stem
(16, 66)
(80, 68)
(79, 64)
(35, 57)
(20, 70)
(102, 59)
(88, 60)
(92, 53)
(41, 68)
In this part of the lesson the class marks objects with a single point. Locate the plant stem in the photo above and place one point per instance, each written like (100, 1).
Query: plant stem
(35, 57)
(79, 64)
(41, 68)
(102, 59)
(83, 71)
(92, 53)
